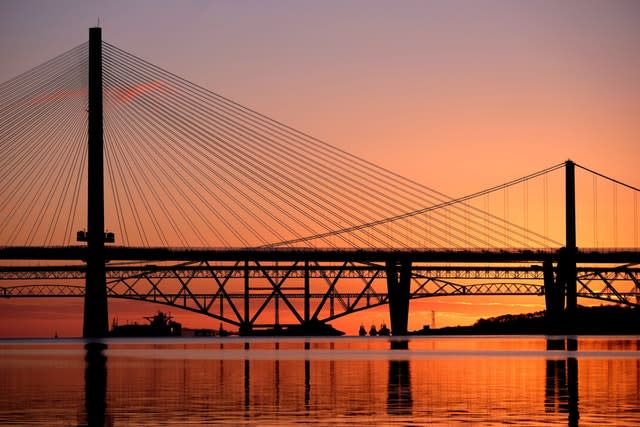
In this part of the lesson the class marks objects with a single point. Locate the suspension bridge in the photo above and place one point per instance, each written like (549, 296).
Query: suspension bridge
(197, 202)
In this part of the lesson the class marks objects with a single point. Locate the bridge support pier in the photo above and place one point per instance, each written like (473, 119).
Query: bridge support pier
(246, 327)
(549, 288)
(96, 316)
(553, 296)
(307, 292)
(398, 289)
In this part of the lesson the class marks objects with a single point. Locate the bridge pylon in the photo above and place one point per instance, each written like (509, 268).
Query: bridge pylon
(569, 259)
(561, 296)
(96, 315)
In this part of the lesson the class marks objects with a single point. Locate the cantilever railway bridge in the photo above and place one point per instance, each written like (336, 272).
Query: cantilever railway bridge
(225, 212)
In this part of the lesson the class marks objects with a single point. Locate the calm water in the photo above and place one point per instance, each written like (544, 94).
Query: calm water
(324, 381)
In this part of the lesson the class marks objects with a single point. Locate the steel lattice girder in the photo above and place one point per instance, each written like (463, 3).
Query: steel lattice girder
(152, 289)
(316, 270)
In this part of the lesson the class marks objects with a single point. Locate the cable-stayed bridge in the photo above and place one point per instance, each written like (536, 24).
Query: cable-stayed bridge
(195, 201)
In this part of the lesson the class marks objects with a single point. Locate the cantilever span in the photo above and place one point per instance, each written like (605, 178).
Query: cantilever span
(217, 298)
(240, 291)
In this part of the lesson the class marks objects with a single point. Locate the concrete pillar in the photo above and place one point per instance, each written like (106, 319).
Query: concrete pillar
(96, 315)
(398, 289)
(570, 221)
(245, 327)
(549, 290)
(307, 293)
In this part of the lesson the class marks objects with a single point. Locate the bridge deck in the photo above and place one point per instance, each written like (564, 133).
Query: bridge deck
(120, 253)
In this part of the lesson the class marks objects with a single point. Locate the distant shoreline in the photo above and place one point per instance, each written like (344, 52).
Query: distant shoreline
(601, 320)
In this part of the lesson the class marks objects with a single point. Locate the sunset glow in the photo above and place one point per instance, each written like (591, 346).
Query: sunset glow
(455, 96)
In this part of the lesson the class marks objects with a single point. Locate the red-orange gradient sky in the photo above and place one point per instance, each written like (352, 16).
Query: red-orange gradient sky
(458, 95)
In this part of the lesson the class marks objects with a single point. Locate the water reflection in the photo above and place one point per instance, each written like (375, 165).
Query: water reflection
(399, 401)
(95, 386)
(247, 382)
(307, 379)
(561, 387)
(277, 378)
(439, 381)
(572, 368)
(399, 344)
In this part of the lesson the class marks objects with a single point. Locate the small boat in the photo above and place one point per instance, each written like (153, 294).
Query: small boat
(373, 331)
(384, 331)
(160, 325)
(362, 331)
(312, 328)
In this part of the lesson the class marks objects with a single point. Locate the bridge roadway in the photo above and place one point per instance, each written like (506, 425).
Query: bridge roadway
(122, 253)
(202, 270)
(159, 263)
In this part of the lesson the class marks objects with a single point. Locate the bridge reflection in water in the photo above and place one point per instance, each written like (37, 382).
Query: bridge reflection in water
(399, 401)
(262, 381)
(95, 386)
(561, 388)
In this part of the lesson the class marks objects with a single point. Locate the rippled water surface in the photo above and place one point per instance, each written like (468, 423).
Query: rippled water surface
(321, 381)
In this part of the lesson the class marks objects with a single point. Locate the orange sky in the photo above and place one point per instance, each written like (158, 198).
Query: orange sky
(457, 95)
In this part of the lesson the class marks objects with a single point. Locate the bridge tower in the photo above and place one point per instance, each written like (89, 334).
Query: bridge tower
(570, 245)
(561, 294)
(96, 316)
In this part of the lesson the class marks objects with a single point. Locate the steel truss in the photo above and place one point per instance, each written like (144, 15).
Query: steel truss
(353, 270)
(259, 294)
